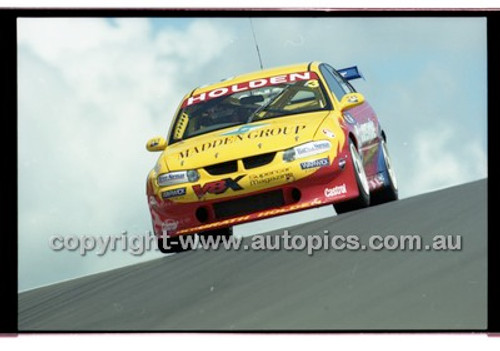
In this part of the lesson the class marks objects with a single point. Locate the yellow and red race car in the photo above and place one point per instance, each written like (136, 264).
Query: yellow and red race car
(264, 144)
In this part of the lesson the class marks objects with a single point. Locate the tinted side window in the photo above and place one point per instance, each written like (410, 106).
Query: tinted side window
(332, 83)
(343, 83)
(303, 95)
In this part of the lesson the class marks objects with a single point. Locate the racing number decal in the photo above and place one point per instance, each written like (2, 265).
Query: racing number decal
(218, 187)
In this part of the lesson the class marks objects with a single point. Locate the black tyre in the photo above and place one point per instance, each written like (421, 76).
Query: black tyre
(363, 199)
(224, 233)
(169, 245)
(390, 191)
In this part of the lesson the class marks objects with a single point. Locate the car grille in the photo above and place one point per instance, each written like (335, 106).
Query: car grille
(222, 168)
(248, 162)
(249, 204)
(259, 160)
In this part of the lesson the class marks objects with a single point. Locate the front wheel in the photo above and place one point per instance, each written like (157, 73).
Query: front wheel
(168, 244)
(390, 191)
(224, 233)
(363, 199)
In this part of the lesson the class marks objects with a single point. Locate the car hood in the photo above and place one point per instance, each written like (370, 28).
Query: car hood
(243, 141)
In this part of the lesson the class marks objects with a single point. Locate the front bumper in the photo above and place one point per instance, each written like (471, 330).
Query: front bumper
(325, 185)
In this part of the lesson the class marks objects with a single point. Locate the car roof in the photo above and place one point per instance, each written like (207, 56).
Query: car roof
(270, 72)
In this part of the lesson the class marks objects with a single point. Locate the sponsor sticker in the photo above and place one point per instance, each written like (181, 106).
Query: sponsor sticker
(245, 129)
(171, 176)
(312, 148)
(218, 186)
(272, 177)
(366, 131)
(349, 118)
(173, 193)
(169, 225)
(322, 162)
(328, 133)
(260, 133)
(335, 191)
(253, 84)
(377, 181)
(352, 99)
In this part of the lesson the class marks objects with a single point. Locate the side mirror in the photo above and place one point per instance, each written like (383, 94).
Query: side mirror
(156, 144)
(351, 100)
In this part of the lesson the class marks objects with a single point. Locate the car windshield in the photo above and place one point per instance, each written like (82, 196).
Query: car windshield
(249, 102)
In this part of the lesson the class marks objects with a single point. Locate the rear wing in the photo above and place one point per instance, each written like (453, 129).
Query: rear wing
(350, 73)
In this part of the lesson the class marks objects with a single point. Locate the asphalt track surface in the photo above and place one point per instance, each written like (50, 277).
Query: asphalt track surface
(290, 290)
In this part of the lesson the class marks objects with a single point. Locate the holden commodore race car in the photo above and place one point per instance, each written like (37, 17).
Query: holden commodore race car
(265, 144)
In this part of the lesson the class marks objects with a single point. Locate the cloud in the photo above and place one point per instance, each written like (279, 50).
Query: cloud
(90, 95)
(440, 163)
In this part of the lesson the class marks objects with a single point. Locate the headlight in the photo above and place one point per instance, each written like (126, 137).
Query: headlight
(178, 177)
(306, 150)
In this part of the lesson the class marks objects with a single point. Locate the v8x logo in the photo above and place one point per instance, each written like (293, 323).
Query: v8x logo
(218, 187)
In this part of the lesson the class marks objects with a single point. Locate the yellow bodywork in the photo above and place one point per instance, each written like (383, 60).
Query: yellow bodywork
(258, 137)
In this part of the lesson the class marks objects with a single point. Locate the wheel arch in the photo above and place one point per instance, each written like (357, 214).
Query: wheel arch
(384, 136)
(354, 140)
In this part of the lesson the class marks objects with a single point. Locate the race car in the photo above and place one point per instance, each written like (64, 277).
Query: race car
(265, 144)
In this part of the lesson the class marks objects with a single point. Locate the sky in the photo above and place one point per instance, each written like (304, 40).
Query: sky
(92, 91)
